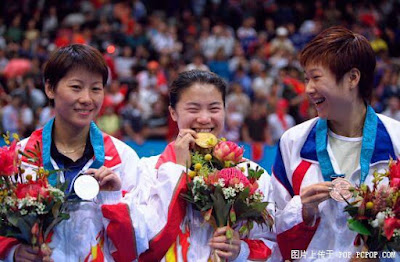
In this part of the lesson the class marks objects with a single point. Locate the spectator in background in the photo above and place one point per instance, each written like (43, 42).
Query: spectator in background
(280, 120)
(255, 128)
(393, 108)
(221, 38)
(115, 95)
(132, 122)
(219, 65)
(238, 99)
(124, 63)
(243, 78)
(11, 115)
(390, 85)
(50, 21)
(247, 34)
(281, 43)
(233, 123)
(262, 84)
(156, 126)
(238, 59)
(27, 124)
(109, 122)
(138, 38)
(34, 97)
(197, 63)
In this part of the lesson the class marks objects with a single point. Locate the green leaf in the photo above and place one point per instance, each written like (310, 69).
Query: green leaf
(232, 215)
(243, 230)
(24, 224)
(64, 216)
(221, 208)
(56, 209)
(229, 233)
(358, 227)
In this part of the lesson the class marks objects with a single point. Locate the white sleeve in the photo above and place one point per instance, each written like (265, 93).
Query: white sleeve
(148, 203)
(10, 256)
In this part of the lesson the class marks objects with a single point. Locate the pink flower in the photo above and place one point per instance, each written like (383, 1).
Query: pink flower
(8, 159)
(390, 225)
(228, 151)
(233, 176)
(32, 188)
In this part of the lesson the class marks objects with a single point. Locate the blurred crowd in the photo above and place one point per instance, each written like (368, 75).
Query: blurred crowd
(252, 44)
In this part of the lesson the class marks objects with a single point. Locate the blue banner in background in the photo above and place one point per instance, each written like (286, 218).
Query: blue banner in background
(156, 147)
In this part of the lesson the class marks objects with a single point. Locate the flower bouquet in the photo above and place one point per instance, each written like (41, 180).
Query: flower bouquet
(29, 206)
(375, 213)
(220, 190)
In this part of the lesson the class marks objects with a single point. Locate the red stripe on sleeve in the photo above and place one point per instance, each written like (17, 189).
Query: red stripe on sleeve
(6, 243)
(258, 250)
(296, 238)
(120, 231)
(160, 244)
(298, 176)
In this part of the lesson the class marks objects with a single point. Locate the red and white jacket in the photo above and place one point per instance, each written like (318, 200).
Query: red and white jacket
(296, 166)
(94, 232)
(182, 233)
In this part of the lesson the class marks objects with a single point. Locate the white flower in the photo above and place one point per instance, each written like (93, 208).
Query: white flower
(389, 213)
(258, 196)
(228, 192)
(239, 187)
(198, 181)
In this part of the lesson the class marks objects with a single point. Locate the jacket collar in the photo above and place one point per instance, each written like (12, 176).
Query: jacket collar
(383, 145)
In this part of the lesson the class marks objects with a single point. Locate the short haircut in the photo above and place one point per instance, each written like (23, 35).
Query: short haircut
(340, 50)
(187, 79)
(71, 57)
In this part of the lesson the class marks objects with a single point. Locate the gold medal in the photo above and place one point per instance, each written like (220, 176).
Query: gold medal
(206, 140)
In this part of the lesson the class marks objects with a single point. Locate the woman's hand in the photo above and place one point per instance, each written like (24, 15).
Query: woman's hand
(224, 247)
(184, 141)
(311, 196)
(27, 253)
(108, 180)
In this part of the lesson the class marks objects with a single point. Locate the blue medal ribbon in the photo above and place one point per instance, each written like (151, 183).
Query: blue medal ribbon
(367, 146)
(96, 138)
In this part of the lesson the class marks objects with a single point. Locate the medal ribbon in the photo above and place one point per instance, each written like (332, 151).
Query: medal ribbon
(367, 146)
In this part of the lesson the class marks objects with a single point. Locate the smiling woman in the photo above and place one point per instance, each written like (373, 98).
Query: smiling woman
(197, 100)
(75, 77)
(347, 140)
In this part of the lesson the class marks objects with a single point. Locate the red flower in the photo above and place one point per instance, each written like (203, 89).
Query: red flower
(390, 225)
(253, 187)
(8, 159)
(233, 176)
(228, 151)
(394, 173)
(33, 189)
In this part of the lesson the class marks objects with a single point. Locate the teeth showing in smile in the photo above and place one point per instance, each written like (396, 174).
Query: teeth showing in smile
(319, 101)
(203, 130)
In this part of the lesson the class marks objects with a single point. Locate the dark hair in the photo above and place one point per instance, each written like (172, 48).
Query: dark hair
(71, 57)
(341, 50)
(188, 78)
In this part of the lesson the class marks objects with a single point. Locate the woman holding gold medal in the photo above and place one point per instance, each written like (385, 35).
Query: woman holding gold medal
(197, 105)
(317, 161)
